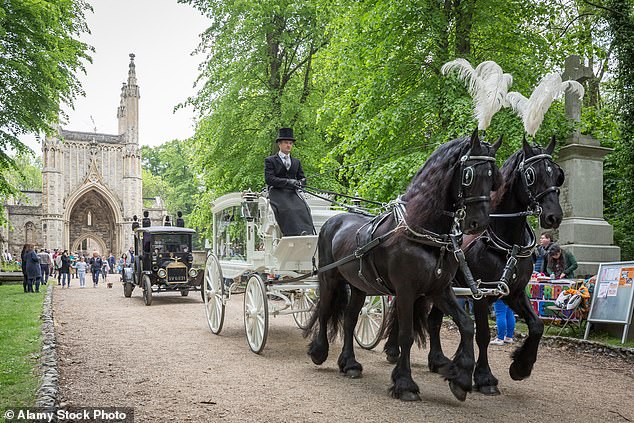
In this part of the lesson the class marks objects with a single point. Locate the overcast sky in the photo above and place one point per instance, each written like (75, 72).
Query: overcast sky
(162, 34)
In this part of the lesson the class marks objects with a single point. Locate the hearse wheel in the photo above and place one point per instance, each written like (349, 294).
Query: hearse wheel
(184, 292)
(213, 294)
(371, 321)
(256, 313)
(303, 300)
(147, 290)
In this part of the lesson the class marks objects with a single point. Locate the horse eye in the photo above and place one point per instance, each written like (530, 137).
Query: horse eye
(549, 169)
(530, 176)
(467, 176)
(490, 172)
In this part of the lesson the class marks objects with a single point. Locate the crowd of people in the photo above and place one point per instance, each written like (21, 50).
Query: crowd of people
(41, 265)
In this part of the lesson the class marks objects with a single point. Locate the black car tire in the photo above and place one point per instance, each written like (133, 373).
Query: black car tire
(147, 290)
(128, 287)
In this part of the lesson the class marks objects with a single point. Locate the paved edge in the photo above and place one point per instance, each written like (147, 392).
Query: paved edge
(48, 391)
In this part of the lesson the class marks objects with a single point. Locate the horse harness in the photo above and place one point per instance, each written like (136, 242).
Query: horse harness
(528, 178)
(515, 252)
(451, 242)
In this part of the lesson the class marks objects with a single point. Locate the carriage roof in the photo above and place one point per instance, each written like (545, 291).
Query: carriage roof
(165, 230)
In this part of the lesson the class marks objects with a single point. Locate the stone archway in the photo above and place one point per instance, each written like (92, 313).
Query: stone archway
(87, 243)
(92, 224)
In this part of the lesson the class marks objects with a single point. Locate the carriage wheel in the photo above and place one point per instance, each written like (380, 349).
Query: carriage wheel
(371, 322)
(213, 293)
(256, 313)
(147, 290)
(303, 300)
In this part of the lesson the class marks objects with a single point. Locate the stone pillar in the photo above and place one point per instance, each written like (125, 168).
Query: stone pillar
(128, 114)
(583, 230)
(53, 193)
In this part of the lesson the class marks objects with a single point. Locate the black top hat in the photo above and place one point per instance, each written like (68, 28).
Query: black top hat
(285, 134)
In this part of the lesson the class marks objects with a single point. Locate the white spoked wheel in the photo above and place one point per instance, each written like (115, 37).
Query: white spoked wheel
(213, 294)
(305, 302)
(371, 321)
(256, 313)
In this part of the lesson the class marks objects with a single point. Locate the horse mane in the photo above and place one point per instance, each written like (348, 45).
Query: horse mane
(508, 176)
(428, 188)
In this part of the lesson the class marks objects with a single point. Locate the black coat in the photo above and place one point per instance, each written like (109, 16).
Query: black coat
(291, 211)
(33, 269)
(276, 175)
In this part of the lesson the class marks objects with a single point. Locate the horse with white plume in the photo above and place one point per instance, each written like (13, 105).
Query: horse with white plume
(533, 109)
(487, 84)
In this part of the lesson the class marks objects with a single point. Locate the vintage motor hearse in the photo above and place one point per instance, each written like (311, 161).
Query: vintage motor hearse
(163, 261)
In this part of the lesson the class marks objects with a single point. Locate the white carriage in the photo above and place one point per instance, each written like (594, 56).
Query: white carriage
(275, 273)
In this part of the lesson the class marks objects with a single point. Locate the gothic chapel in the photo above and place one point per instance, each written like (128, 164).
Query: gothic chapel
(91, 188)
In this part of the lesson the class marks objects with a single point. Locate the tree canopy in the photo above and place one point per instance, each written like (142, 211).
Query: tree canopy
(40, 56)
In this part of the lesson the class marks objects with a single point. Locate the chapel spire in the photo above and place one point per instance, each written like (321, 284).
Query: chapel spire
(132, 72)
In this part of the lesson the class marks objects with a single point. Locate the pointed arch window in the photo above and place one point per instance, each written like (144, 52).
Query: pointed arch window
(29, 233)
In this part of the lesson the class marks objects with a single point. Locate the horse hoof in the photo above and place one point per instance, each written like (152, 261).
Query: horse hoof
(409, 396)
(353, 374)
(517, 373)
(490, 390)
(392, 359)
(457, 391)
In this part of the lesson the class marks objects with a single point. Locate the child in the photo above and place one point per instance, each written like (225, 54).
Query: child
(81, 267)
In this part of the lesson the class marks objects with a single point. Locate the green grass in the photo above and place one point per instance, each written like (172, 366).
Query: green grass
(20, 345)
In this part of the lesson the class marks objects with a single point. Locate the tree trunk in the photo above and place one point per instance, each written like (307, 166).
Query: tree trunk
(464, 22)
(275, 65)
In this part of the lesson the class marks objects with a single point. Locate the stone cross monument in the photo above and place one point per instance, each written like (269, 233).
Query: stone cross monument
(583, 230)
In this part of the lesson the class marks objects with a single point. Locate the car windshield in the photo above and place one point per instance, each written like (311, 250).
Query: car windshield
(171, 243)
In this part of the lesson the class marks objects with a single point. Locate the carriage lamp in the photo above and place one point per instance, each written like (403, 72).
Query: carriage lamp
(193, 272)
(162, 273)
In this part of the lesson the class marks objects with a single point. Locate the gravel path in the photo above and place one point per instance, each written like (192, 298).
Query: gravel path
(163, 361)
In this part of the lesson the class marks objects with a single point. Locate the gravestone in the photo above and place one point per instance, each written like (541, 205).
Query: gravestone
(583, 230)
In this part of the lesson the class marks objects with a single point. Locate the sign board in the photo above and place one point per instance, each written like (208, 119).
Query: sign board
(543, 292)
(613, 295)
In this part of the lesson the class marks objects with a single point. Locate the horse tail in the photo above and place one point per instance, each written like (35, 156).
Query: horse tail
(336, 309)
(333, 289)
(422, 307)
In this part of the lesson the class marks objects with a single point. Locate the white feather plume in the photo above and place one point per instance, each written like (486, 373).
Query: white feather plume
(487, 84)
(533, 109)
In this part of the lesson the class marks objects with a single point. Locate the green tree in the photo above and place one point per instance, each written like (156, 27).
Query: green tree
(372, 105)
(168, 173)
(28, 176)
(620, 165)
(388, 106)
(257, 77)
(40, 55)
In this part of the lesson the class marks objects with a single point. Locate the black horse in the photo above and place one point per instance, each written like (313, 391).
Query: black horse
(531, 182)
(409, 259)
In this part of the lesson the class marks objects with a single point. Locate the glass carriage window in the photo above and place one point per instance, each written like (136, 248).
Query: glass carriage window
(230, 234)
(171, 243)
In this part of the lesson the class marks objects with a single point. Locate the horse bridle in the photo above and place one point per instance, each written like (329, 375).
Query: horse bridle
(528, 179)
(467, 174)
